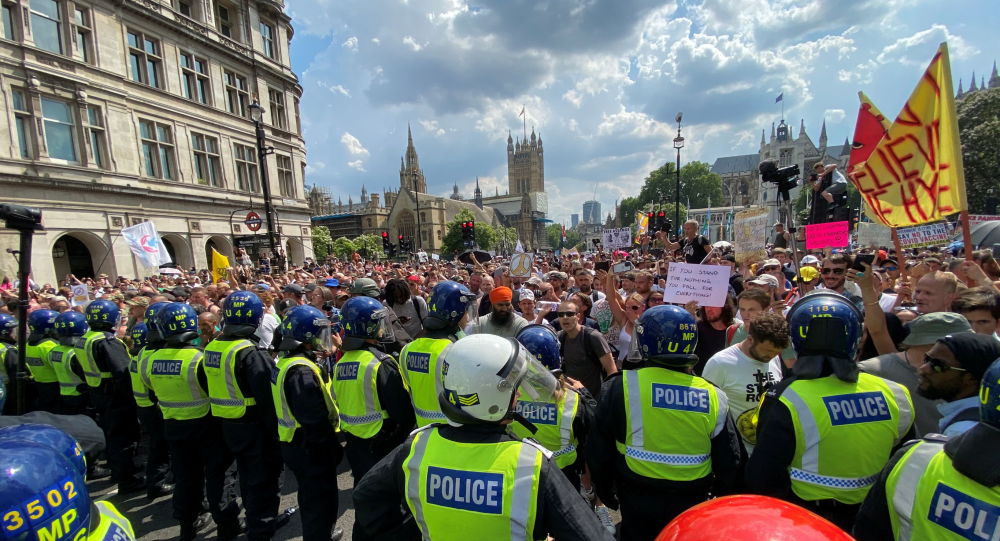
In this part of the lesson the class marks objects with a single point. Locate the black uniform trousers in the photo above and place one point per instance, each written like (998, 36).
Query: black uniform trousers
(360, 455)
(157, 449)
(315, 469)
(646, 510)
(46, 397)
(73, 405)
(258, 461)
(199, 459)
(116, 415)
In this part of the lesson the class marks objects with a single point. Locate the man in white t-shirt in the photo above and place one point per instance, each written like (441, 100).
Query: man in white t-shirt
(745, 371)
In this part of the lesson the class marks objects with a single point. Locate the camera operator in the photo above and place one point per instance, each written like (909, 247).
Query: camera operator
(830, 189)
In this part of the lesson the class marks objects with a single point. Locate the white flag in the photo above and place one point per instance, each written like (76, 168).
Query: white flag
(146, 244)
(519, 248)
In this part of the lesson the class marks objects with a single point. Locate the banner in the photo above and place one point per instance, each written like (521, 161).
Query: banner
(750, 234)
(924, 235)
(146, 244)
(832, 234)
(874, 235)
(220, 266)
(81, 295)
(519, 248)
(706, 284)
(915, 174)
(520, 265)
(617, 238)
(642, 223)
(976, 219)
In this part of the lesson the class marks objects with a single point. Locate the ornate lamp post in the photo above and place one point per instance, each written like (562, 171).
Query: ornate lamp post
(678, 145)
(257, 115)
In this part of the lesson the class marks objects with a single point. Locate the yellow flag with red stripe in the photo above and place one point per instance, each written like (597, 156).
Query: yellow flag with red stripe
(220, 266)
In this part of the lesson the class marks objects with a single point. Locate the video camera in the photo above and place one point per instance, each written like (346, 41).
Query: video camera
(19, 217)
(785, 178)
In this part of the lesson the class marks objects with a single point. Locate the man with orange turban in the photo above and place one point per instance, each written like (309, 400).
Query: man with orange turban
(502, 320)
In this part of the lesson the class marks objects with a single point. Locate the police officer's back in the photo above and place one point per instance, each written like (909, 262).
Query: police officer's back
(8, 360)
(375, 410)
(664, 437)
(940, 488)
(824, 434)
(447, 314)
(73, 390)
(41, 340)
(145, 340)
(470, 478)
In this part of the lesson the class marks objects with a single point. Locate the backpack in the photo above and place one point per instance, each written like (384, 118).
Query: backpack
(588, 348)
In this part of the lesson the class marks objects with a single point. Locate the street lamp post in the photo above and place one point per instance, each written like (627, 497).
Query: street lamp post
(678, 144)
(257, 115)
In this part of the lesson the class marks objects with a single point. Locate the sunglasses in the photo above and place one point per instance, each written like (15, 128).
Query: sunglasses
(566, 314)
(635, 308)
(835, 271)
(890, 269)
(940, 365)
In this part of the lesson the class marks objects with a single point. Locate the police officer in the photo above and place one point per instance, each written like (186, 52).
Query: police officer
(105, 363)
(824, 435)
(8, 360)
(470, 476)
(561, 424)
(448, 313)
(158, 454)
(307, 418)
(41, 340)
(940, 488)
(198, 455)
(239, 389)
(661, 432)
(73, 390)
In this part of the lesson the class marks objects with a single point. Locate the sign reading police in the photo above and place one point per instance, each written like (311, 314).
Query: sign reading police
(347, 371)
(418, 362)
(849, 409)
(678, 397)
(540, 413)
(970, 518)
(166, 368)
(467, 490)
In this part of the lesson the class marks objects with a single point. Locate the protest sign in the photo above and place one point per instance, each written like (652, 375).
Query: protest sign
(706, 284)
(80, 295)
(832, 234)
(976, 219)
(520, 265)
(617, 238)
(750, 234)
(924, 235)
(874, 235)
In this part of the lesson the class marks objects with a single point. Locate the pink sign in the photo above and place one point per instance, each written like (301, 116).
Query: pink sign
(832, 234)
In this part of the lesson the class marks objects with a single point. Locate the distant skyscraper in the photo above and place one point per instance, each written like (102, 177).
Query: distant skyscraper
(592, 212)
(574, 220)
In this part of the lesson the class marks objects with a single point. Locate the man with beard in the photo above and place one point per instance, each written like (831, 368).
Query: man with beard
(585, 284)
(586, 354)
(952, 371)
(501, 321)
(834, 273)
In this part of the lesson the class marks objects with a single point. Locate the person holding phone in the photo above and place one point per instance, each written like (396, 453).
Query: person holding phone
(694, 245)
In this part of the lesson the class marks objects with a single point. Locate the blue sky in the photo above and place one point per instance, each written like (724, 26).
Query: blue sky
(601, 81)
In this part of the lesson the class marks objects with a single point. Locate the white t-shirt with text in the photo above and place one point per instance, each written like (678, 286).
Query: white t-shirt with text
(744, 381)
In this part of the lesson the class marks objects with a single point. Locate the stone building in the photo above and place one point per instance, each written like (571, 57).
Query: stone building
(133, 110)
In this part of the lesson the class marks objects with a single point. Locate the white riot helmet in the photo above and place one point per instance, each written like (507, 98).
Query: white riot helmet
(479, 375)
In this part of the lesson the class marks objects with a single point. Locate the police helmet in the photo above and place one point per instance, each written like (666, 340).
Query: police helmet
(542, 343)
(178, 321)
(479, 375)
(667, 335)
(50, 436)
(102, 315)
(449, 301)
(3, 394)
(305, 324)
(42, 323)
(152, 324)
(366, 318)
(242, 308)
(42, 494)
(7, 326)
(989, 395)
(139, 335)
(71, 324)
(836, 324)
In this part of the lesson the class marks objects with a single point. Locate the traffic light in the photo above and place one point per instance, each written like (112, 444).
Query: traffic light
(386, 243)
(469, 234)
(661, 221)
(855, 216)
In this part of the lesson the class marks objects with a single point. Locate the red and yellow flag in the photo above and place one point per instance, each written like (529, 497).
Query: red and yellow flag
(871, 127)
(914, 175)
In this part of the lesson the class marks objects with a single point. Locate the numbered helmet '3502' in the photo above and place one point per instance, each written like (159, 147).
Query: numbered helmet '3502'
(139, 335)
(542, 343)
(305, 325)
(834, 322)
(479, 375)
(450, 301)
(42, 495)
(71, 323)
(176, 319)
(367, 318)
(667, 335)
(42, 322)
(242, 308)
(102, 314)
(50, 436)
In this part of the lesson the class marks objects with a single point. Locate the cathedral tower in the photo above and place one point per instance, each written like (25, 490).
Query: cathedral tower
(411, 177)
(525, 165)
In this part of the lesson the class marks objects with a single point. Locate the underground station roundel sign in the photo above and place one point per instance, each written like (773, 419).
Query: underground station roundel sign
(253, 221)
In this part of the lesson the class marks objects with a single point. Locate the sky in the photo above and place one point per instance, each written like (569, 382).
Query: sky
(601, 81)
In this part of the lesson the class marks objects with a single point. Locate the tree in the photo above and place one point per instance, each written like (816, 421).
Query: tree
(322, 242)
(369, 246)
(343, 248)
(452, 241)
(506, 239)
(979, 131)
(699, 186)
(553, 232)
(627, 209)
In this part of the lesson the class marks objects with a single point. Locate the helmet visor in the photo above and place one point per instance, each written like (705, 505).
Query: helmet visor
(323, 340)
(384, 331)
(529, 376)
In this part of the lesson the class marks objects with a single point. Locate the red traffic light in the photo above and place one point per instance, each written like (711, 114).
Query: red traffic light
(649, 214)
(385, 234)
(401, 237)
(662, 214)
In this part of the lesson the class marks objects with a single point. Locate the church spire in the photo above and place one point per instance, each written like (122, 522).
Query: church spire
(994, 77)
(762, 137)
(822, 135)
(972, 86)
(478, 195)
(410, 176)
(960, 91)
(772, 132)
(802, 128)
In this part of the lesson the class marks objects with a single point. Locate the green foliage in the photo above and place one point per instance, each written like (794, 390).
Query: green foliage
(486, 235)
(343, 247)
(699, 185)
(627, 209)
(553, 232)
(506, 239)
(369, 246)
(322, 242)
(979, 131)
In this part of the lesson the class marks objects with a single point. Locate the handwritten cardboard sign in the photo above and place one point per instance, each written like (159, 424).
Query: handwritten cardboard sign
(81, 295)
(832, 234)
(520, 265)
(706, 284)
(617, 238)
(750, 234)
(874, 235)
(924, 235)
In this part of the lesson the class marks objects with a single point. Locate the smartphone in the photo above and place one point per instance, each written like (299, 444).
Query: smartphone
(550, 305)
(602, 265)
(862, 258)
(623, 266)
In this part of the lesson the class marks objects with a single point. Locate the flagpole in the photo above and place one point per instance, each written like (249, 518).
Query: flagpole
(966, 234)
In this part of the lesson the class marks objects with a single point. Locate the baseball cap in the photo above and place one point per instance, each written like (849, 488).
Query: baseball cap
(367, 287)
(525, 293)
(764, 280)
(413, 278)
(332, 282)
(770, 263)
(294, 288)
(808, 273)
(927, 328)
(535, 281)
(809, 260)
(138, 301)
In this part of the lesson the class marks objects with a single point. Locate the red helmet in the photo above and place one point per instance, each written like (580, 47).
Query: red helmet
(750, 518)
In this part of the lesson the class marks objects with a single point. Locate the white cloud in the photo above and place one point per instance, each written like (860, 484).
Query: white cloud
(358, 165)
(432, 127)
(350, 43)
(898, 51)
(412, 43)
(834, 115)
(353, 145)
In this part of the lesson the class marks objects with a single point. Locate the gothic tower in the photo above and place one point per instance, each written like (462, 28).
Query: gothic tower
(478, 197)
(525, 165)
(411, 177)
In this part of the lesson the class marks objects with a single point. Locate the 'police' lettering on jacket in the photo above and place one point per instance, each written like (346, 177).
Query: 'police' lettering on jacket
(418, 362)
(468, 490)
(33, 361)
(56, 356)
(679, 397)
(539, 413)
(347, 371)
(848, 409)
(166, 368)
(970, 518)
(213, 359)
